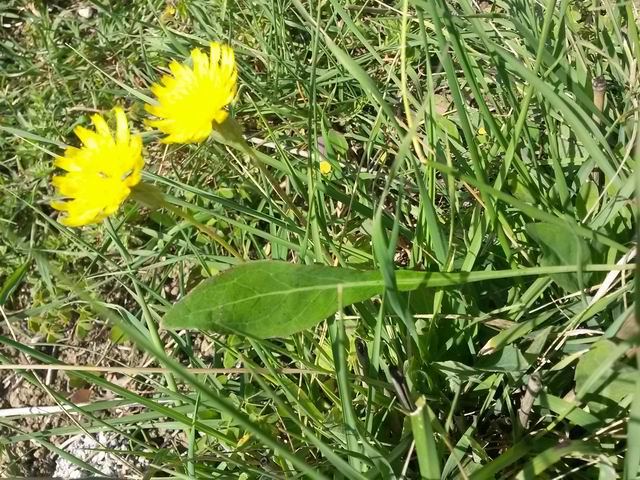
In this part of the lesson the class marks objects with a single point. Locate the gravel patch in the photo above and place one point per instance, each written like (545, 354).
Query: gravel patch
(93, 451)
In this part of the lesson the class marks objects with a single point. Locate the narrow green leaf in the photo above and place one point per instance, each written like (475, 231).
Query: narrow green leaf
(31, 136)
(13, 281)
(426, 449)
(506, 459)
(366, 82)
(577, 415)
(632, 459)
(549, 457)
(340, 345)
(513, 333)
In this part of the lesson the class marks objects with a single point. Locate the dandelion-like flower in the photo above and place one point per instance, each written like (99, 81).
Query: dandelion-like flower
(100, 174)
(193, 99)
(325, 167)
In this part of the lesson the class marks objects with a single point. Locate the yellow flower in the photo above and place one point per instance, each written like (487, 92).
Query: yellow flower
(482, 131)
(325, 167)
(193, 98)
(168, 12)
(100, 174)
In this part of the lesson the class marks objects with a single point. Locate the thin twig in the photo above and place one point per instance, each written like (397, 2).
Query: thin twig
(533, 388)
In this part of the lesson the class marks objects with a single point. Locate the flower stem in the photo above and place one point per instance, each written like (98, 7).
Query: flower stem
(231, 133)
(246, 148)
(146, 313)
(206, 229)
(152, 197)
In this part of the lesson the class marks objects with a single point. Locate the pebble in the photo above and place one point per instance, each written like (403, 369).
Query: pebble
(85, 12)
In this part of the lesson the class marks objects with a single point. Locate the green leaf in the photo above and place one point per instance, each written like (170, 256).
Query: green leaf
(508, 359)
(425, 441)
(276, 299)
(632, 459)
(13, 281)
(117, 335)
(576, 415)
(82, 328)
(267, 299)
(337, 143)
(513, 333)
(148, 196)
(587, 199)
(561, 246)
(545, 460)
(449, 127)
(615, 384)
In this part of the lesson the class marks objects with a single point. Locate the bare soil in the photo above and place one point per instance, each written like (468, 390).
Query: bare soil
(20, 389)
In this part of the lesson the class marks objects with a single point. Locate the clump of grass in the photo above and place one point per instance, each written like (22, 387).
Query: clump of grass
(461, 137)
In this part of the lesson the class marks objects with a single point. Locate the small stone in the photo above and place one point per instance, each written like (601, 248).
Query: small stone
(85, 12)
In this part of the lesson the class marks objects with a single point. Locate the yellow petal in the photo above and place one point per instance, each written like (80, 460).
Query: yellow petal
(122, 126)
(220, 117)
(87, 137)
(71, 152)
(66, 186)
(214, 52)
(227, 59)
(176, 68)
(101, 125)
(59, 205)
(200, 62)
(167, 81)
(152, 109)
(133, 179)
(81, 218)
(70, 164)
(325, 167)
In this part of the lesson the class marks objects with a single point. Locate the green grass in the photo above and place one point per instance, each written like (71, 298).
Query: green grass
(463, 136)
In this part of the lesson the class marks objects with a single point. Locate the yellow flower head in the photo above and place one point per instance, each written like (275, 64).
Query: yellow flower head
(193, 98)
(325, 167)
(100, 174)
